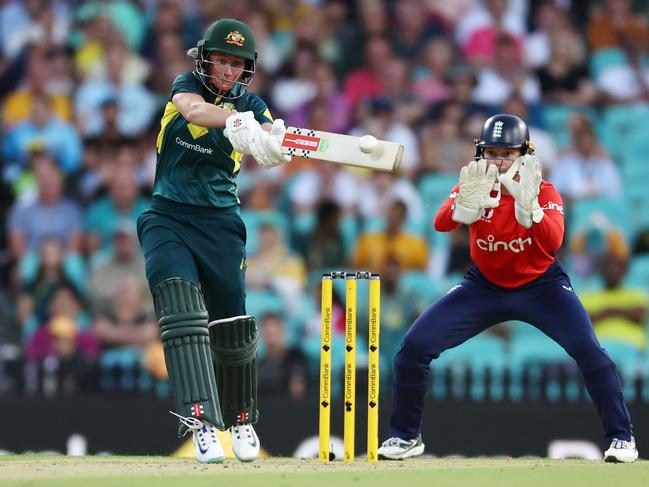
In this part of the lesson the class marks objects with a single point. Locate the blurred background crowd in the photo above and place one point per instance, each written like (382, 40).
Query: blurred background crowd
(82, 89)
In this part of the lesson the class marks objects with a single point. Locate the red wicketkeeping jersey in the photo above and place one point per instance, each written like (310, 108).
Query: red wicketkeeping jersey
(508, 254)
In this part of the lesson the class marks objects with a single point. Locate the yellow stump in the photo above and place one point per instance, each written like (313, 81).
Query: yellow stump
(325, 369)
(350, 368)
(373, 369)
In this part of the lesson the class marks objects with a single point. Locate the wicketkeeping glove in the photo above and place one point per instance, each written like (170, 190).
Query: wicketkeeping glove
(241, 128)
(477, 181)
(526, 190)
(266, 147)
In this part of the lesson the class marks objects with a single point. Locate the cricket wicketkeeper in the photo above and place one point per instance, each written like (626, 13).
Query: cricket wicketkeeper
(194, 239)
(515, 223)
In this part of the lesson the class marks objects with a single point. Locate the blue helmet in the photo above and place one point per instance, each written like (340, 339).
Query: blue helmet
(504, 130)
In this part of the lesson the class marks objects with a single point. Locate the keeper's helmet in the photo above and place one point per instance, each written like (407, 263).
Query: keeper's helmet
(226, 36)
(504, 130)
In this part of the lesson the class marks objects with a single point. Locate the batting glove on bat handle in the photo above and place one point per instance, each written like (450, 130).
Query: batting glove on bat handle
(278, 131)
(241, 128)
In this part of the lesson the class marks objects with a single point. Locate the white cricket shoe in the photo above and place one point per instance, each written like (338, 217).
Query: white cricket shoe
(207, 444)
(621, 451)
(399, 449)
(245, 442)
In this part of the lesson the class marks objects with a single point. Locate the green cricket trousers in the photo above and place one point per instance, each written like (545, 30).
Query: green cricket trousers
(204, 245)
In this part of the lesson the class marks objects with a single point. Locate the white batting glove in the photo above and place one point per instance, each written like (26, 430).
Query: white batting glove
(266, 147)
(526, 190)
(241, 128)
(477, 181)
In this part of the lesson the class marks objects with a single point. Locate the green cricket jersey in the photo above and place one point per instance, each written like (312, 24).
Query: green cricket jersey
(197, 165)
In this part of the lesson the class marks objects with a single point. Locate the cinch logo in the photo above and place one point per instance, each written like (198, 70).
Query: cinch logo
(498, 130)
(553, 206)
(491, 245)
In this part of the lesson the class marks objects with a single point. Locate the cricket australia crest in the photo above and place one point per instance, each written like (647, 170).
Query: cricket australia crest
(236, 38)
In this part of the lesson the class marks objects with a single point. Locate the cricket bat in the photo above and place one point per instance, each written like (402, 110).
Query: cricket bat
(366, 151)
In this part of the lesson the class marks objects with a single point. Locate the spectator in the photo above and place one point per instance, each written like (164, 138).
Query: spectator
(322, 181)
(274, 267)
(565, 79)
(367, 81)
(592, 240)
(136, 103)
(123, 203)
(52, 215)
(298, 87)
(126, 260)
(42, 21)
(549, 18)
(374, 249)
(323, 247)
(377, 195)
(283, 371)
(326, 96)
(128, 324)
(57, 137)
(626, 78)
(41, 280)
(609, 25)
(431, 83)
(444, 144)
(505, 76)
(125, 16)
(477, 31)
(170, 18)
(17, 106)
(413, 29)
(586, 171)
(408, 108)
(372, 23)
(67, 357)
(618, 312)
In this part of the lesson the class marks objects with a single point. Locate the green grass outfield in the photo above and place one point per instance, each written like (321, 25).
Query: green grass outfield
(61, 471)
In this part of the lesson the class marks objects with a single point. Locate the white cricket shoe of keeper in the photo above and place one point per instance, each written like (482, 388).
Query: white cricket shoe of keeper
(207, 444)
(245, 442)
(621, 451)
(399, 449)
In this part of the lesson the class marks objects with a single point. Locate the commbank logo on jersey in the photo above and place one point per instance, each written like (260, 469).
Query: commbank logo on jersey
(492, 245)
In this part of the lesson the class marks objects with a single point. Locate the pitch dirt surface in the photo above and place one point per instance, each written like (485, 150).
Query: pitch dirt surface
(62, 471)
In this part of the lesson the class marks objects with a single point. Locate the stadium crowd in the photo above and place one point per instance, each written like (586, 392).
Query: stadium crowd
(82, 88)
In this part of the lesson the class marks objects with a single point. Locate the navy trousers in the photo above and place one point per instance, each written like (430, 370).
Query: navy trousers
(548, 303)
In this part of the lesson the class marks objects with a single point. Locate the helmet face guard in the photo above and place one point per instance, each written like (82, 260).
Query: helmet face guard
(504, 131)
(202, 71)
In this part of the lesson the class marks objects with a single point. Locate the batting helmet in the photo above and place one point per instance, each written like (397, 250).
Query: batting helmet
(504, 130)
(226, 36)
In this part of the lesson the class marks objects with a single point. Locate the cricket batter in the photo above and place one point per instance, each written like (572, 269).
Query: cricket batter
(194, 239)
(515, 233)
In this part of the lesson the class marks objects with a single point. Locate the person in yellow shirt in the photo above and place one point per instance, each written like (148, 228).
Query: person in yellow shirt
(618, 312)
(374, 249)
(17, 107)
